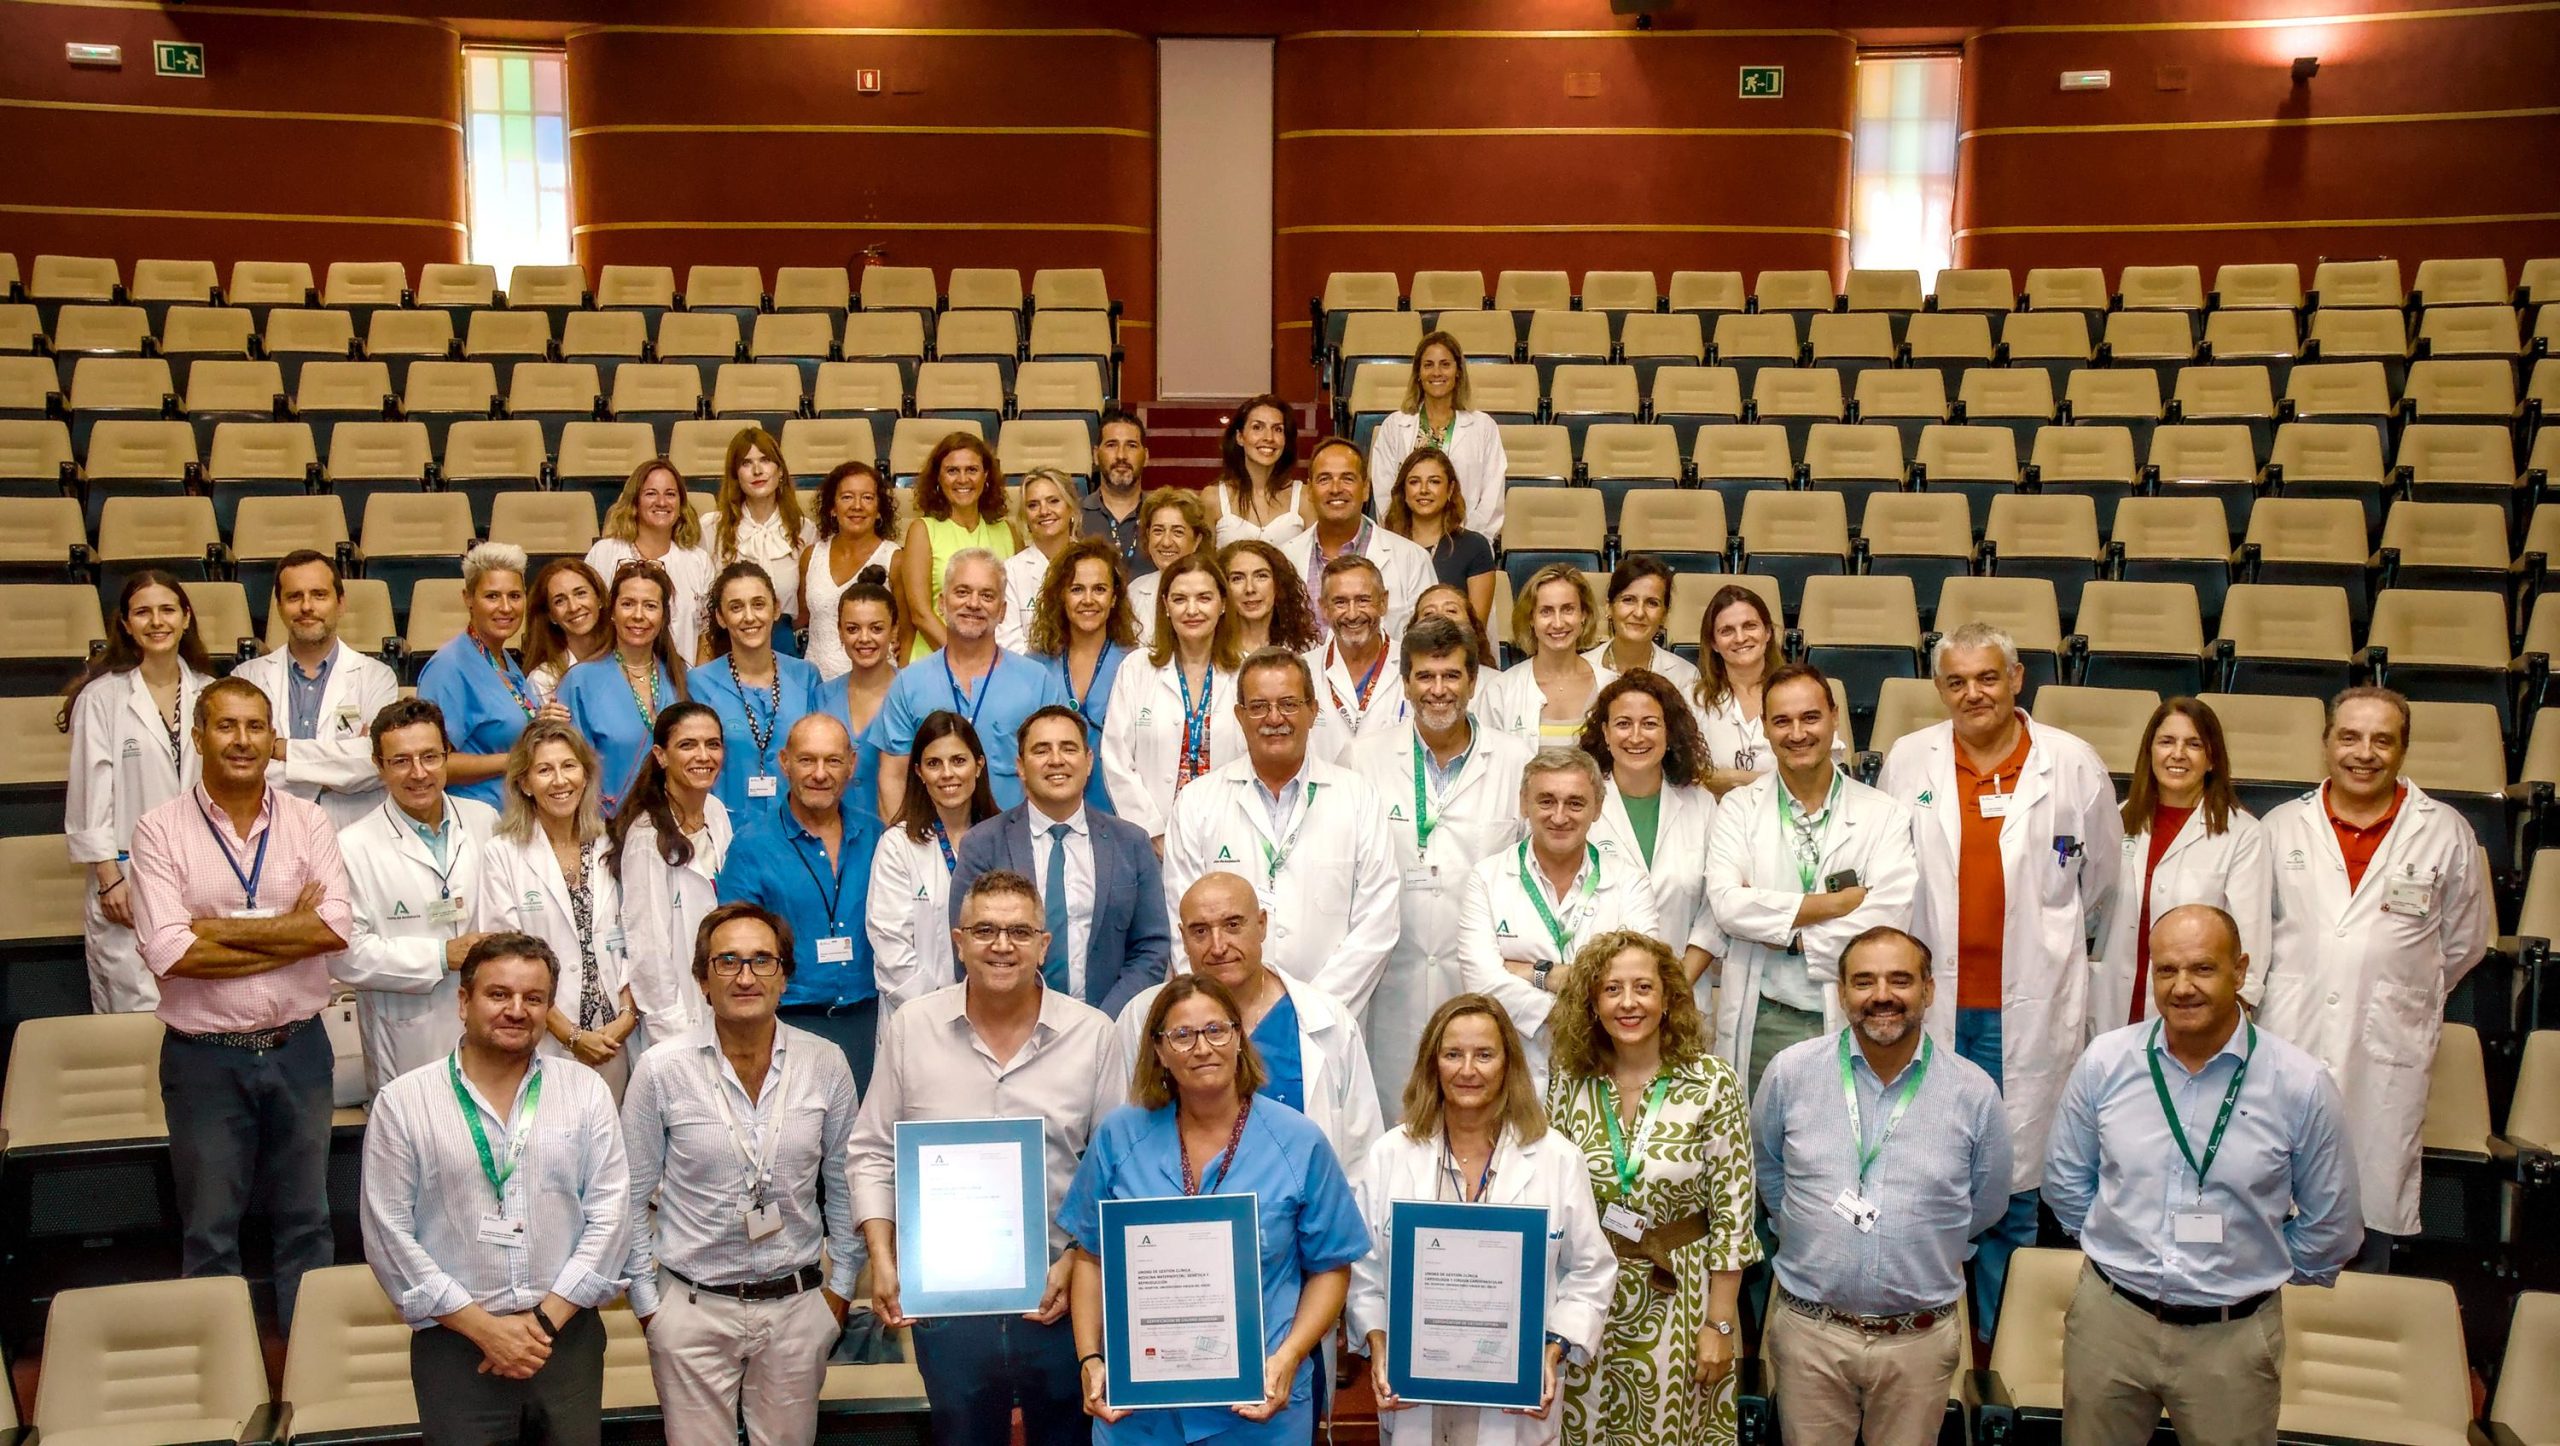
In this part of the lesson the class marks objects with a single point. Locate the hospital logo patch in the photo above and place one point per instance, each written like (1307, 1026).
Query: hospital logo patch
(1926, 795)
(1502, 930)
(1146, 716)
(399, 910)
(1226, 855)
(1395, 813)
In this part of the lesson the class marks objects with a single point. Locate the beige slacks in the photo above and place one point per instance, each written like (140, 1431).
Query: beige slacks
(708, 1353)
(2220, 1384)
(1837, 1384)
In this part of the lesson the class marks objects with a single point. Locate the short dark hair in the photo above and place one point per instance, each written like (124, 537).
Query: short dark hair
(509, 945)
(1798, 673)
(304, 557)
(408, 713)
(1430, 638)
(227, 687)
(996, 884)
(729, 914)
(2367, 693)
(1267, 659)
(1022, 735)
(1121, 416)
(1886, 934)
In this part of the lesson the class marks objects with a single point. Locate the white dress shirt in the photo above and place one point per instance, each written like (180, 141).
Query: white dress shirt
(677, 1127)
(769, 545)
(425, 1194)
(1079, 846)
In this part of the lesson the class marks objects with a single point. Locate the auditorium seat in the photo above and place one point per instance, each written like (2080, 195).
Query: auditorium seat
(364, 287)
(547, 525)
(190, 334)
(704, 342)
(983, 288)
(1346, 292)
(1621, 295)
(2271, 339)
(118, 388)
(1683, 527)
(2272, 285)
(1541, 525)
(2356, 284)
(553, 290)
(265, 529)
(399, 339)
(1047, 391)
(1071, 288)
(365, 459)
(1892, 292)
(1435, 291)
(1796, 398)
(1581, 397)
(260, 285)
(1687, 398)
(2375, 1358)
(232, 391)
(2234, 394)
(485, 459)
(2339, 460)
(1739, 460)
(2526, 1409)
(1085, 336)
(457, 287)
(1620, 458)
(765, 393)
(30, 388)
(1903, 706)
(658, 394)
(2025, 1386)
(649, 291)
(2450, 646)
(2488, 332)
(37, 535)
(1860, 631)
(346, 1362)
(1374, 336)
(1792, 536)
(35, 460)
(2458, 754)
(2127, 397)
(2026, 606)
(913, 440)
(2054, 342)
(1556, 338)
(84, 1192)
(437, 615)
(700, 448)
(2347, 392)
(35, 772)
(1482, 336)
(2437, 545)
(1707, 292)
(608, 340)
(1523, 293)
(2069, 288)
(884, 288)
(1504, 391)
(2274, 743)
(2158, 341)
(1948, 343)
(1924, 536)
(2162, 288)
(1800, 295)
(816, 446)
(505, 339)
(1975, 289)
(294, 338)
(158, 285)
(1539, 455)
(554, 394)
(1748, 342)
(872, 392)
(2098, 460)
(1377, 389)
(137, 459)
(162, 1360)
(174, 534)
(2018, 398)
(987, 336)
(863, 1396)
(1022, 446)
(1855, 461)
(2108, 719)
(54, 280)
(1907, 399)
(1979, 464)
(2478, 391)
(2215, 460)
(222, 618)
(82, 333)
(1850, 342)
(442, 393)
(412, 535)
(2027, 535)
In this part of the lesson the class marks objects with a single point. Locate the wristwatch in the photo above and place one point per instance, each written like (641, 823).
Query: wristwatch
(1539, 975)
(1720, 1327)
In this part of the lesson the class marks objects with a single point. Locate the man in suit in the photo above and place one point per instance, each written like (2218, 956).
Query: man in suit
(1101, 886)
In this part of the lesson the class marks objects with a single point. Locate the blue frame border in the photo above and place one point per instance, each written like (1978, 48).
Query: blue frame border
(1240, 1214)
(1406, 1220)
(913, 1137)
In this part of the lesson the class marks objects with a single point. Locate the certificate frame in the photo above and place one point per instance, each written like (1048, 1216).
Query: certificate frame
(1240, 1216)
(912, 1138)
(1409, 1224)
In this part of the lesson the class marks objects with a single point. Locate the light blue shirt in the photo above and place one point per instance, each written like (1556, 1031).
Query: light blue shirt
(1941, 1179)
(1012, 690)
(862, 795)
(303, 692)
(485, 709)
(438, 837)
(1309, 1224)
(745, 710)
(2115, 1178)
(602, 706)
(1095, 706)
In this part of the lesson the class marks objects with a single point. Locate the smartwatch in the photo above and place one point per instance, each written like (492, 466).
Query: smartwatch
(1540, 972)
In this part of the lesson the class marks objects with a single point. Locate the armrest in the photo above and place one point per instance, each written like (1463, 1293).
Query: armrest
(268, 1425)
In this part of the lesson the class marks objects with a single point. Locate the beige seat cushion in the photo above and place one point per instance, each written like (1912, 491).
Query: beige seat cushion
(173, 1360)
(84, 1078)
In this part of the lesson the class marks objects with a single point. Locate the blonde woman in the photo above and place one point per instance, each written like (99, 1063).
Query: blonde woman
(1436, 414)
(1546, 699)
(1050, 518)
(651, 522)
(759, 520)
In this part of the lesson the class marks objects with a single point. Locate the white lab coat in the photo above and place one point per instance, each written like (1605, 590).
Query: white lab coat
(1401, 561)
(1582, 1271)
(1678, 872)
(1475, 450)
(522, 888)
(121, 769)
(662, 907)
(1477, 815)
(1142, 738)
(407, 997)
(1751, 875)
(909, 920)
(2361, 983)
(334, 770)
(1023, 574)
(2053, 903)
(1332, 902)
(1510, 700)
(1341, 1096)
(2230, 870)
(1498, 924)
(1678, 671)
(1341, 721)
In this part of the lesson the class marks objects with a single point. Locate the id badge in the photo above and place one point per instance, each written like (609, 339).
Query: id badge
(764, 1221)
(251, 914)
(835, 949)
(1856, 1209)
(2196, 1227)
(1995, 805)
(444, 912)
(499, 1230)
(2409, 895)
(763, 785)
(1624, 1223)
(348, 723)
(1424, 878)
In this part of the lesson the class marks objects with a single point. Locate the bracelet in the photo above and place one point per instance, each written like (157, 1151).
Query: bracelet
(1087, 1356)
(111, 888)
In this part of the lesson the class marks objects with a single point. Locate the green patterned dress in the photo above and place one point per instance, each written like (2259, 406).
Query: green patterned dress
(1694, 1155)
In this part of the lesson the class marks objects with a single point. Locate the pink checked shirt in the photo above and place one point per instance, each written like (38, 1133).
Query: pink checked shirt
(185, 853)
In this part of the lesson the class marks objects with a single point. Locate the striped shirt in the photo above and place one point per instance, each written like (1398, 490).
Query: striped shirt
(188, 864)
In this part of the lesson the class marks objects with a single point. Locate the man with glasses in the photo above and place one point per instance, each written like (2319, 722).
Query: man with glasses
(1310, 836)
(998, 1044)
(739, 1133)
(413, 868)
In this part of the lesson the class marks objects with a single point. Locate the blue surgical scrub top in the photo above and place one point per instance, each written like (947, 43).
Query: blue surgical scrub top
(1276, 1040)
(1309, 1224)
(775, 862)
(1095, 705)
(715, 686)
(602, 706)
(862, 795)
(484, 711)
(1014, 689)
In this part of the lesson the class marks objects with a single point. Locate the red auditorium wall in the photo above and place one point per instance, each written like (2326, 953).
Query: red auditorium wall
(313, 136)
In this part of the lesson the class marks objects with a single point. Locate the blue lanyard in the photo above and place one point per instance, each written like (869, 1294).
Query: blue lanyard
(1067, 677)
(835, 899)
(942, 836)
(257, 869)
(1195, 720)
(986, 684)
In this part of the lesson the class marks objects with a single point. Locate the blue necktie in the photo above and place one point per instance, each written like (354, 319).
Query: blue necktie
(1053, 910)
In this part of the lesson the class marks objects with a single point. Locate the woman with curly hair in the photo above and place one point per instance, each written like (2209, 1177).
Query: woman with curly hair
(1271, 599)
(960, 504)
(1081, 624)
(1666, 1145)
(1657, 812)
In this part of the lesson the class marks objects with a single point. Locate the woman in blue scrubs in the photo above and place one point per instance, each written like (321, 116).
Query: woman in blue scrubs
(484, 695)
(867, 628)
(758, 692)
(1082, 626)
(614, 701)
(1195, 1127)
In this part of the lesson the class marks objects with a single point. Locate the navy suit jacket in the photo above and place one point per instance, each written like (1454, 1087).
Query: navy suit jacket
(1131, 941)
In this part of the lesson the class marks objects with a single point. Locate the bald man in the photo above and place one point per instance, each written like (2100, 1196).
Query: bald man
(810, 862)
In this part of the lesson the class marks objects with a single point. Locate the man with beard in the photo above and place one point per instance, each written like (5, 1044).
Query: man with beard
(1880, 1157)
(1119, 473)
(322, 693)
(1359, 688)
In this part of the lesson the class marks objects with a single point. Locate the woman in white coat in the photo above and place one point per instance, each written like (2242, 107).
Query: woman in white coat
(1172, 715)
(1639, 599)
(2186, 841)
(1655, 815)
(545, 875)
(1545, 700)
(910, 916)
(668, 844)
(131, 721)
(1475, 1133)
(1436, 413)
(1050, 518)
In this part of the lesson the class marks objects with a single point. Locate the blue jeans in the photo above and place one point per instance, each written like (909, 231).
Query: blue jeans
(1978, 1039)
(977, 1368)
(251, 1128)
(853, 1028)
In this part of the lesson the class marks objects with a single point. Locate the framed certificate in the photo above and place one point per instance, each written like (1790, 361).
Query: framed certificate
(1466, 1303)
(1182, 1301)
(973, 1217)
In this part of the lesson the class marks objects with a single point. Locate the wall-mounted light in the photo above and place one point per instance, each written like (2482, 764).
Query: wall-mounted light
(2305, 67)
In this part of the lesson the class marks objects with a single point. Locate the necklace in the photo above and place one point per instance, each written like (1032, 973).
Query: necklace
(647, 700)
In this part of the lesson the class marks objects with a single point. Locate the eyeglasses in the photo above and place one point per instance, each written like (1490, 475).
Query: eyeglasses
(1285, 707)
(407, 762)
(730, 966)
(1185, 1039)
(1020, 936)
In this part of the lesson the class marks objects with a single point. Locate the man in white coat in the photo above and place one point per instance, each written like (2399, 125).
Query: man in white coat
(1359, 688)
(1452, 791)
(2015, 827)
(324, 694)
(1311, 836)
(1528, 908)
(1338, 485)
(1802, 861)
(2380, 909)
(413, 870)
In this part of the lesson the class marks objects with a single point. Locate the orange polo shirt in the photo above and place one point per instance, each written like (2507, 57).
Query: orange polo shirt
(2359, 845)
(1982, 886)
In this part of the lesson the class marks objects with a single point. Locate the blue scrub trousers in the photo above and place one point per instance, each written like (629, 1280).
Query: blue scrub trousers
(1978, 1039)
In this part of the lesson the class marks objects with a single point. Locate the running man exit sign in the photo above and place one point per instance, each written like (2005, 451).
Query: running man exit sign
(177, 57)
(1764, 82)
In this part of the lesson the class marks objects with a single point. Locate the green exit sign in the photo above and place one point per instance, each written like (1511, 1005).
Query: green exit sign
(1764, 82)
(177, 57)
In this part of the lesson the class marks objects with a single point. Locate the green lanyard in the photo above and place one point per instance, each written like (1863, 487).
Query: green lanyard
(1562, 936)
(1619, 1156)
(1422, 824)
(2221, 1119)
(1807, 869)
(1274, 860)
(471, 1115)
(1910, 1085)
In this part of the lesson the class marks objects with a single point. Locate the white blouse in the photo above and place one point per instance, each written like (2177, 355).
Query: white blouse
(826, 638)
(689, 568)
(768, 544)
(1234, 526)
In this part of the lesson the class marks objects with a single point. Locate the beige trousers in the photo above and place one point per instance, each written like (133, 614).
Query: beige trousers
(1837, 1384)
(2220, 1383)
(709, 1352)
